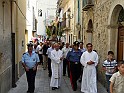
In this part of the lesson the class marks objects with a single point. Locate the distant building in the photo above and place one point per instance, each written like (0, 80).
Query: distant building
(48, 15)
(31, 23)
(71, 23)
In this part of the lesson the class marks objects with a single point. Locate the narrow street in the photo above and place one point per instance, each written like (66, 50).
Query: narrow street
(43, 22)
(42, 84)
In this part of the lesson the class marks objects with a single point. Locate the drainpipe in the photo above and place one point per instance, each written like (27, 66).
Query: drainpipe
(13, 48)
(3, 4)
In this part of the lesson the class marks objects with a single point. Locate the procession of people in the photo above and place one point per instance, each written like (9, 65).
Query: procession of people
(74, 61)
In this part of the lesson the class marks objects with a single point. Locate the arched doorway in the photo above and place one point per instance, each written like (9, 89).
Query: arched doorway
(90, 31)
(116, 31)
(120, 48)
(120, 43)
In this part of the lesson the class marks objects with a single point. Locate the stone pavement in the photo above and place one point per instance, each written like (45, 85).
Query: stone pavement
(43, 84)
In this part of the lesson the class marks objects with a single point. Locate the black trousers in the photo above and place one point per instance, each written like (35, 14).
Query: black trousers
(81, 73)
(75, 71)
(66, 66)
(49, 67)
(41, 58)
(31, 80)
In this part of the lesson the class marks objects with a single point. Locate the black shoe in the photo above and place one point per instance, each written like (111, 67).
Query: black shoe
(79, 81)
(63, 74)
(28, 92)
(49, 75)
(68, 76)
(57, 87)
(53, 88)
(74, 89)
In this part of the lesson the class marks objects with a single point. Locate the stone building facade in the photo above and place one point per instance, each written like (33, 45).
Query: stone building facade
(72, 19)
(12, 41)
(5, 47)
(67, 25)
(103, 26)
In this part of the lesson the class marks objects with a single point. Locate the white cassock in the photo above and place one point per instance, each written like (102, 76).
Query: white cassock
(89, 82)
(57, 68)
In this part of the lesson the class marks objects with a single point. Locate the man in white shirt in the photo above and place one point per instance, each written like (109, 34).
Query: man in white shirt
(89, 60)
(82, 48)
(65, 51)
(39, 51)
(56, 65)
(49, 50)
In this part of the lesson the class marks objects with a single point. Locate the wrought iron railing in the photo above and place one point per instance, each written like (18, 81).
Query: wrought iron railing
(87, 4)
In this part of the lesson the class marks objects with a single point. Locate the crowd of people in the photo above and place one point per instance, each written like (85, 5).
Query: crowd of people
(74, 61)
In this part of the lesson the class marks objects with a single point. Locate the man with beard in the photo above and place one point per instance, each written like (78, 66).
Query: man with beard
(89, 60)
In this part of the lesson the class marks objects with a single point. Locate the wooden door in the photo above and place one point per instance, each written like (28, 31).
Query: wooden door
(120, 43)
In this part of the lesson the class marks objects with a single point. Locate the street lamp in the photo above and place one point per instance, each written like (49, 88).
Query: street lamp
(57, 14)
(69, 14)
(40, 12)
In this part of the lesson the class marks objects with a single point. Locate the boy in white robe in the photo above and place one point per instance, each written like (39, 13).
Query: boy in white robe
(57, 67)
(89, 60)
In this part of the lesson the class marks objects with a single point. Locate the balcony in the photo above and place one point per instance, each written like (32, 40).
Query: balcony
(63, 24)
(62, 3)
(87, 4)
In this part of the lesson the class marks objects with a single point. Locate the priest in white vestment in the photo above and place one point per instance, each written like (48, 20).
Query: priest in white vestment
(57, 67)
(89, 60)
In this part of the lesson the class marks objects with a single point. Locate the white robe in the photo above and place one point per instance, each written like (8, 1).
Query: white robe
(89, 82)
(57, 68)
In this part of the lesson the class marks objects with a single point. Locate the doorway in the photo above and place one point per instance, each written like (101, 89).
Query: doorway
(120, 46)
(116, 31)
(13, 62)
(120, 43)
(90, 31)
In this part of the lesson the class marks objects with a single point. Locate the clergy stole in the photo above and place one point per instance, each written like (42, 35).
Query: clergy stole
(56, 71)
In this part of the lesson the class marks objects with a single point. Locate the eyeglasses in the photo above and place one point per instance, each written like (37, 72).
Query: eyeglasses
(89, 46)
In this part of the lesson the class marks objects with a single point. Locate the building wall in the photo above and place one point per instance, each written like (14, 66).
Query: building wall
(18, 27)
(30, 14)
(100, 34)
(5, 47)
(104, 35)
(78, 20)
(48, 9)
(73, 33)
(69, 33)
(20, 33)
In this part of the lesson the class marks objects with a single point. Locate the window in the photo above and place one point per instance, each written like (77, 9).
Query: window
(40, 12)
